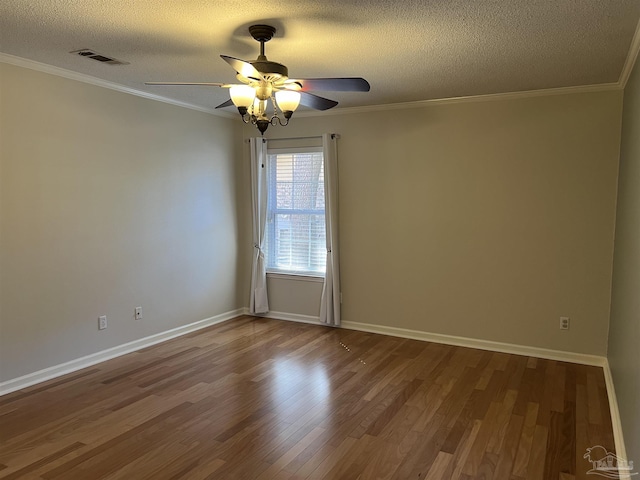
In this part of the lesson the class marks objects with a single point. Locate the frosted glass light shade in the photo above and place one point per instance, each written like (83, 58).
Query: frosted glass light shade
(242, 95)
(288, 100)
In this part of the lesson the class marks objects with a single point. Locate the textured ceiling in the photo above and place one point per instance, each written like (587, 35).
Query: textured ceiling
(408, 50)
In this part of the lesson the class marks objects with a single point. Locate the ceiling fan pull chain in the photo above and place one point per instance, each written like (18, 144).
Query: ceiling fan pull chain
(275, 119)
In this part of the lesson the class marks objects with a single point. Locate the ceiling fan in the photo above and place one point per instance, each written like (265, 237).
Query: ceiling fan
(264, 80)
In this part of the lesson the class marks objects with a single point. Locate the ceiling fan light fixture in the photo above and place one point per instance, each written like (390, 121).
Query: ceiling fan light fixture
(288, 100)
(259, 107)
(242, 95)
(262, 125)
(263, 81)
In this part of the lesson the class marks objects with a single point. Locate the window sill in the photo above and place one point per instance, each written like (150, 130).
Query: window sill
(305, 277)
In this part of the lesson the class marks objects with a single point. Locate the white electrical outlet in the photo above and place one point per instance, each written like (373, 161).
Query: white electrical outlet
(102, 322)
(564, 323)
(138, 313)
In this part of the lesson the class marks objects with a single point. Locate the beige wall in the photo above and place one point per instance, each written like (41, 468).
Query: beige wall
(487, 220)
(624, 331)
(297, 297)
(108, 202)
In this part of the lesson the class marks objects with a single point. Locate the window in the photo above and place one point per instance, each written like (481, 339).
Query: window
(295, 232)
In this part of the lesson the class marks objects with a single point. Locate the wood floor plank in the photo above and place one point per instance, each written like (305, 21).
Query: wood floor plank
(508, 450)
(477, 451)
(282, 461)
(321, 466)
(462, 452)
(21, 473)
(483, 399)
(422, 457)
(535, 468)
(526, 441)
(256, 398)
(440, 467)
(557, 400)
(501, 422)
(544, 406)
(459, 412)
(524, 391)
(593, 401)
(351, 461)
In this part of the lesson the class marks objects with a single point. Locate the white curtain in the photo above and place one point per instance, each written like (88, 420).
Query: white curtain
(330, 302)
(258, 302)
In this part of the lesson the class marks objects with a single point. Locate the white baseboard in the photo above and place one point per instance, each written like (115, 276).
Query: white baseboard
(89, 360)
(479, 344)
(292, 317)
(618, 437)
(538, 352)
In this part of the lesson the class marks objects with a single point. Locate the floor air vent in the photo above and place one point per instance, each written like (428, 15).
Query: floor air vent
(98, 57)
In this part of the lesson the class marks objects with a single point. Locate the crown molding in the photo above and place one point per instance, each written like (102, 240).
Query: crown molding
(602, 87)
(81, 77)
(631, 58)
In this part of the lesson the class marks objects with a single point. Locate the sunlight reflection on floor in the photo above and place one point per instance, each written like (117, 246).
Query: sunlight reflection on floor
(293, 377)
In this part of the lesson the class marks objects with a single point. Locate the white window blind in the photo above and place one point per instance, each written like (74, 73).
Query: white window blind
(295, 231)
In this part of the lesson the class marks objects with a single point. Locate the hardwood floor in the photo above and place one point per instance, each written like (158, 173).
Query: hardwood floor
(265, 399)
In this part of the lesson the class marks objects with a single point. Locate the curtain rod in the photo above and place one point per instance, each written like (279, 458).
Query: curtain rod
(333, 135)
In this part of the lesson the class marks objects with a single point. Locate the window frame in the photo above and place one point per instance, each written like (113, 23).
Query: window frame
(270, 232)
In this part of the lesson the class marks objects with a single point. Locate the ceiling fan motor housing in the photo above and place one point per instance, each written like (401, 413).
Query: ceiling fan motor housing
(271, 71)
(264, 90)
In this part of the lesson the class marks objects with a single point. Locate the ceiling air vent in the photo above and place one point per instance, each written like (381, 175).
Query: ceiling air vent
(98, 57)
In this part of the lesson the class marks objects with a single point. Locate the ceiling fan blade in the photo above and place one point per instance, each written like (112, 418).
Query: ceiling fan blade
(353, 84)
(243, 68)
(316, 102)
(228, 103)
(206, 84)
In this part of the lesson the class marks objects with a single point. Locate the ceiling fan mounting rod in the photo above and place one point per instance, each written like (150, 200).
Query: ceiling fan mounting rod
(262, 34)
